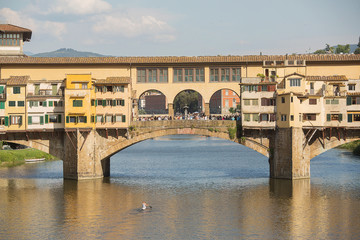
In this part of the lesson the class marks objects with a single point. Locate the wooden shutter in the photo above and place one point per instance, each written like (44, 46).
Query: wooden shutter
(328, 117)
(29, 120)
(349, 117)
(46, 118)
(67, 119)
(348, 101)
(59, 118)
(340, 117)
(6, 121)
(123, 118)
(41, 120)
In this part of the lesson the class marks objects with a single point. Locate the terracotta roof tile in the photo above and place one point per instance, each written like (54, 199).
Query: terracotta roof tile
(17, 80)
(353, 93)
(327, 78)
(176, 60)
(114, 80)
(9, 28)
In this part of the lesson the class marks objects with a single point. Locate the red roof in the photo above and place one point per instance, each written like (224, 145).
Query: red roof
(9, 28)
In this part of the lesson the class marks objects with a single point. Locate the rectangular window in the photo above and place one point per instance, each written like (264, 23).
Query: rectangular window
(282, 100)
(12, 103)
(73, 119)
(82, 119)
(16, 90)
(255, 117)
(309, 117)
(189, 75)
(312, 101)
(54, 118)
(15, 120)
(295, 82)
(236, 74)
(151, 75)
(283, 117)
(214, 75)
(264, 88)
(199, 75)
(178, 75)
(163, 75)
(255, 102)
(264, 117)
(356, 117)
(351, 87)
(247, 102)
(334, 117)
(21, 103)
(108, 118)
(99, 118)
(118, 118)
(77, 103)
(225, 74)
(247, 117)
(141, 75)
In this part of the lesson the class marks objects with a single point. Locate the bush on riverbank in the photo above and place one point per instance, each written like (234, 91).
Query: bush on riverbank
(353, 146)
(9, 158)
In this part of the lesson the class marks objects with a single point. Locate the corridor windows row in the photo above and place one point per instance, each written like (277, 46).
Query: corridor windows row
(258, 88)
(108, 118)
(264, 102)
(108, 102)
(16, 103)
(152, 75)
(225, 74)
(189, 75)
(113, 89)
(11, 120)
(33, 120)
(262, 117)
(45, 103)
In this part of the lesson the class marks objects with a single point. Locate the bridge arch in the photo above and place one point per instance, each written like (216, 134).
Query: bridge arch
(152, 101)
(222, 100)
(152, 129)
(190, 97)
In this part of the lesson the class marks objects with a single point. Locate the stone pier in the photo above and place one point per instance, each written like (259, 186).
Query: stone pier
(289, 160)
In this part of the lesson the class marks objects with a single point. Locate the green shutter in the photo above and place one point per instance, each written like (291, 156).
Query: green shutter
(349, 117)
(29, 120)
(85, 119)
(2, 105)
(92, 118)
(67, 119)
(20, 120)
(328, 117)
(44, 104)
(348, 101)
(123, 118)
(104, 102)
(340, 117)
(114, 102)
(1, 89)
(6, 121)
(122, 102)
(59, 118)
(50, 103)
(41, 120)
(46, 118)
(96, 103)
(95, 119)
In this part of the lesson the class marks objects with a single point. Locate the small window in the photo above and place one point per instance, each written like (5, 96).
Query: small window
(282, 100)
(12, 103)
(312, 101)
(16, 90)
(351, 87)
(283, 117)
(21, 103)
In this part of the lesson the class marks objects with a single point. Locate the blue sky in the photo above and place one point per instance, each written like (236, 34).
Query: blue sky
(185, 27)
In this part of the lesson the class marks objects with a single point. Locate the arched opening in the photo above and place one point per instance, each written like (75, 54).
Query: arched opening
(152, 102)
(224, 102)
(188, 103)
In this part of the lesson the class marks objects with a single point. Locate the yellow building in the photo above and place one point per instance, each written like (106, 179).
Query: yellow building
(15, 109)
(79, 92)
(113, 102)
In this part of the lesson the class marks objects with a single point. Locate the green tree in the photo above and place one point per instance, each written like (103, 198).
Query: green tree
(232, 110)
(187, 98)
(321, 51)
(359, 43)
(342, 48)
(357, 51)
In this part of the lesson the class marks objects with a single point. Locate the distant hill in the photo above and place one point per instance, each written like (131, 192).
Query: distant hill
(67, 52)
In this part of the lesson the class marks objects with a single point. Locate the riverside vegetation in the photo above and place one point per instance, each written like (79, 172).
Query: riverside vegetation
(11, 158)
(353, 146)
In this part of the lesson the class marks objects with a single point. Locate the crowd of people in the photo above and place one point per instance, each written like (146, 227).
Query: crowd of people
(193, 116)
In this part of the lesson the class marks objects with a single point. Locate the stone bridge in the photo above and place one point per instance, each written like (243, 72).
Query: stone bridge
(86, 152)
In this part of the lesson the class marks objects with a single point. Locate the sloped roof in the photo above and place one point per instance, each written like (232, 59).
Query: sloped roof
(179, 59)
(17, 80)
(9, 28)
(327, 78)
(294, 74)
(114, 80)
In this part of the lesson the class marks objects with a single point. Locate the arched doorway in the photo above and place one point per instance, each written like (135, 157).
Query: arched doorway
(224, 102)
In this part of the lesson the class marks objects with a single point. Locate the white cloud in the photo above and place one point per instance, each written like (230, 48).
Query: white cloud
(81, 6)
(56, 29)
(134, 26)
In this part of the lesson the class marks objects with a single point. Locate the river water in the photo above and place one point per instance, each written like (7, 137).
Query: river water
(198, 187)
